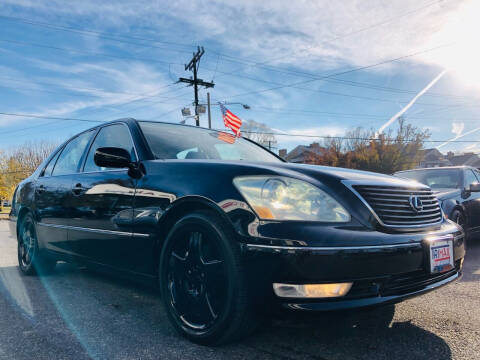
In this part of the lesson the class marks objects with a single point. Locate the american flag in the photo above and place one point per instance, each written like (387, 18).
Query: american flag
(230, 120)
(228, 138)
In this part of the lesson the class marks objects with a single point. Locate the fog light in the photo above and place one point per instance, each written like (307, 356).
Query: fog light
(312, 290)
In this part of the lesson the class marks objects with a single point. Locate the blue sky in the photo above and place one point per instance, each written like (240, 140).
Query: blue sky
(105, 60)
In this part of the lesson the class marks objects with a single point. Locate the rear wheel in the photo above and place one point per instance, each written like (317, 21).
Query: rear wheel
(203, 282)
(30, 260)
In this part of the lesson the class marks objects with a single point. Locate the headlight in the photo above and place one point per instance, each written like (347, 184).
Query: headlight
(283, 198)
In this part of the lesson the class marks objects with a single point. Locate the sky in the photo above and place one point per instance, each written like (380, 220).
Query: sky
(305, 68)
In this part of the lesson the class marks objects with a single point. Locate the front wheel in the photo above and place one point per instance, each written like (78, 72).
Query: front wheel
(202, 281)
(30, 260)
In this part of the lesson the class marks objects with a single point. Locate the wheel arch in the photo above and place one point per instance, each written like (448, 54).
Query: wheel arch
(21, 215)
(462, 210)
(180, 208)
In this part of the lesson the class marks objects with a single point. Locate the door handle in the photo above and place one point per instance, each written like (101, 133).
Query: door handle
(40, 189)
(78, 189)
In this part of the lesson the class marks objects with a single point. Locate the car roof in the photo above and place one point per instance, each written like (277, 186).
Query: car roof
(134, 121)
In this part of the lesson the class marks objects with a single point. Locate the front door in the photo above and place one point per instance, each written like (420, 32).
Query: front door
(102, 201)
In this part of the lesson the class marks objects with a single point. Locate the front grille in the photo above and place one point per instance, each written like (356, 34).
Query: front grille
(393, 207)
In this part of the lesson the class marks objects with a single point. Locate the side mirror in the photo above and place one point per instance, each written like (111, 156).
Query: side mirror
(112, 157)
(475, 187)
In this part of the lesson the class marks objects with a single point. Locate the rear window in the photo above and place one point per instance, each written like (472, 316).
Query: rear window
(435, 178)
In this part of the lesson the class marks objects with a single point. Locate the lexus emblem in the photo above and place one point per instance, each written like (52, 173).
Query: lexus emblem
(415, 203)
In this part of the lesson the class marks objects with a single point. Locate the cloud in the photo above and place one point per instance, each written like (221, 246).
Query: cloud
(293, 32)
(130, 89)
(457, 128)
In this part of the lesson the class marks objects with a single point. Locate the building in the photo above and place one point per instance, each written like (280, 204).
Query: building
(468, 159)
(433, 158)
(303, 154)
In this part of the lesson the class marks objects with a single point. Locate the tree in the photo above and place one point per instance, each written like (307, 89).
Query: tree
(385, 153)
(259, 133)
(20, 162)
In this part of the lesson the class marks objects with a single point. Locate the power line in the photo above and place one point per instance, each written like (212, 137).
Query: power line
(333, 93)
(89, 53)
(136, 99)
(48, 117)
(252, 132)
(350, 138)
(227, 57)
(383, 22)
(84, 31)
(342, 72)
(63, 86)
(117, 37)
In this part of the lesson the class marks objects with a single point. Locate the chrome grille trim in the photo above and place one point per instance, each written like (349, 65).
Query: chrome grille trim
(389, 204)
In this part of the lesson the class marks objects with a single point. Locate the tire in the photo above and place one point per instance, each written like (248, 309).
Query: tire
(202, 281)
(30, 259)
(459, 217)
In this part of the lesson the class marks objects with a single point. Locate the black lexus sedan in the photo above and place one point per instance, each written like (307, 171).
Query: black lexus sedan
(227, 228)
(457, 188)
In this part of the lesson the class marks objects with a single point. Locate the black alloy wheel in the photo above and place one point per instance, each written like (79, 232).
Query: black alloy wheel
(202, 281)
(30, 260)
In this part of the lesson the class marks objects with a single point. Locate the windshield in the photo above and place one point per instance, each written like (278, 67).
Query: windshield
(435, 178)
(170, 141)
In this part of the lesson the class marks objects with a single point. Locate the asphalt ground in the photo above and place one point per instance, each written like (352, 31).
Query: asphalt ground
(79, 314)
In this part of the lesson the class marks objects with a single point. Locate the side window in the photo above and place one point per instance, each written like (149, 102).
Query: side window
(117, 135)
(70, 157)
(469, 178)
(48, 169)
(477, 174)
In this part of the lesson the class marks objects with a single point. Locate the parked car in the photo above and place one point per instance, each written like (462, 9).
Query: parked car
(457, 188)
(227, 228)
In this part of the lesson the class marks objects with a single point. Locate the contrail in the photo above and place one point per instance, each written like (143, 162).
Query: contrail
(458, 137)
(409, 105)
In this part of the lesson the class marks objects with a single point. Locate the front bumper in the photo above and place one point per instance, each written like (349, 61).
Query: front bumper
(381, 273)
(376, 298)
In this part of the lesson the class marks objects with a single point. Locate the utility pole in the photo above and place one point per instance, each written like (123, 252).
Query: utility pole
(193, 67)
(209, 113)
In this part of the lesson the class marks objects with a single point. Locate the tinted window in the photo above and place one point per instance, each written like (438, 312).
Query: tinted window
(110, 136)
(72, 153)
(470, 178)
(435, 178)
(51, 164)
(183, 142)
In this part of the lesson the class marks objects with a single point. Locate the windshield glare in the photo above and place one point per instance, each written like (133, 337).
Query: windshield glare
(170, 141)
(435, 179)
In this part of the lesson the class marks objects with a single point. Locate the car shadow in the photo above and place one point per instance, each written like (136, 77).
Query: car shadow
(355, 334)
(83, 314)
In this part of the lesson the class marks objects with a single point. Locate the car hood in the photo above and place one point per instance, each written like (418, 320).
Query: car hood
(443, 194)
(324, 174)
(359, 176)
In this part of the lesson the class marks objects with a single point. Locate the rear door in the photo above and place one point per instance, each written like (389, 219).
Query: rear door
(53, 194)
(102, 199)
